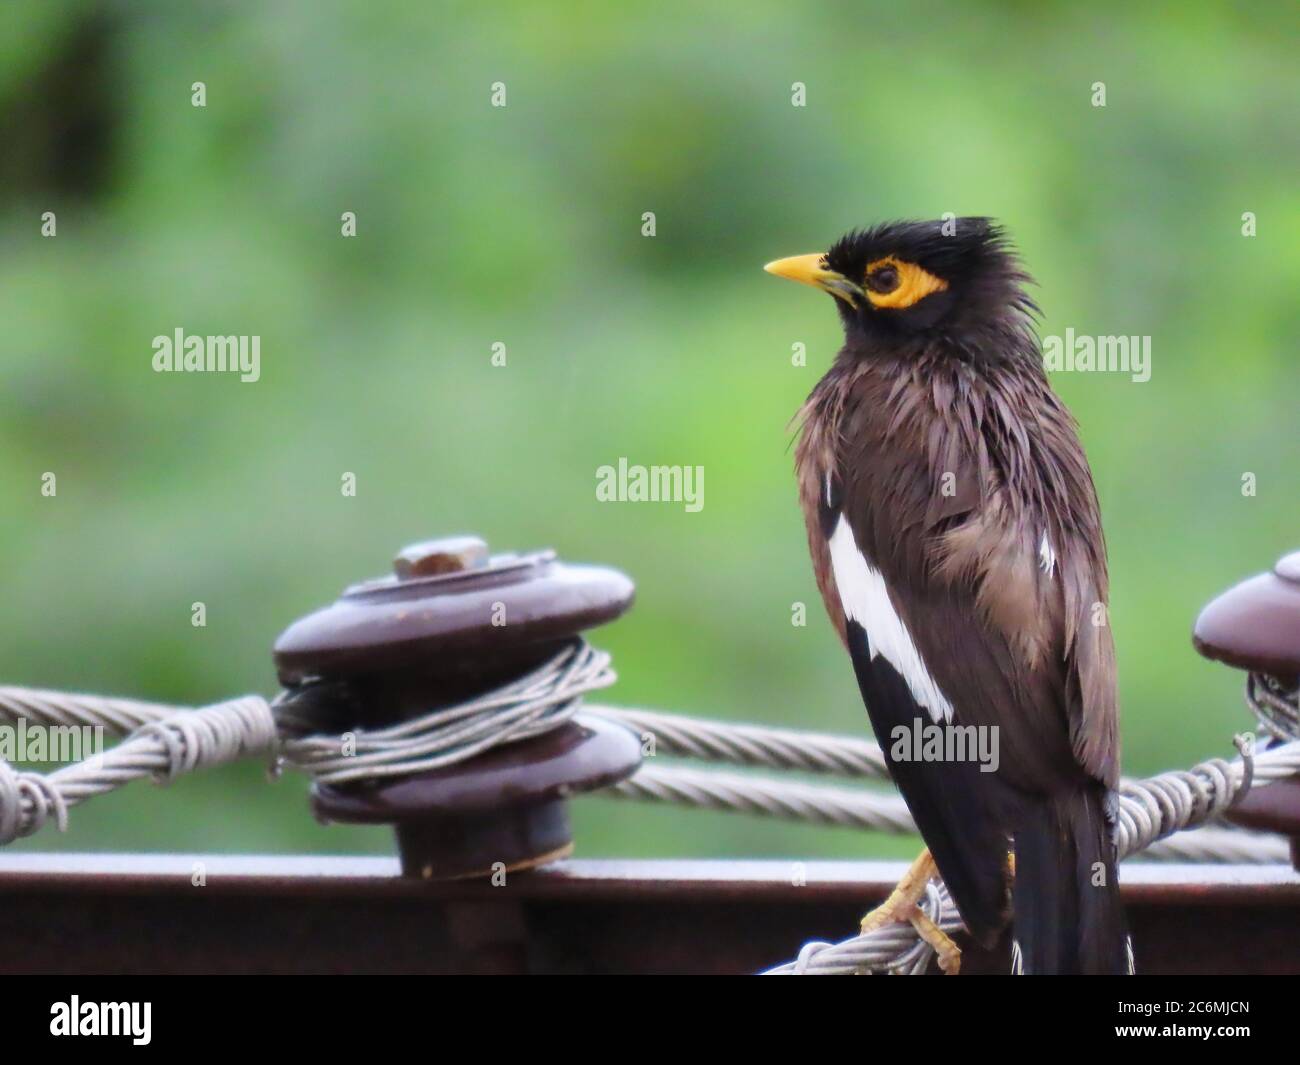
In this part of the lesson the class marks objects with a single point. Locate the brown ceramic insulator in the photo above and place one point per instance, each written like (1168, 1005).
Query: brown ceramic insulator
(507, 806)
(452, 623)
(1256, 625)
(1275, 808)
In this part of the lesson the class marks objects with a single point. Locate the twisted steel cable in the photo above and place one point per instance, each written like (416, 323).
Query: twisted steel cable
(751, 745)
(1148, 810)
(789, 800)
(163, 741)
(160, 748)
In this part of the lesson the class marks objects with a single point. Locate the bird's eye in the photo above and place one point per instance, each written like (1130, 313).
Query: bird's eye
(896, 284)
(882, 279)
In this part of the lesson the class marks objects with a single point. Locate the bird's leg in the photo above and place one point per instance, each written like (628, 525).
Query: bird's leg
(902, 906)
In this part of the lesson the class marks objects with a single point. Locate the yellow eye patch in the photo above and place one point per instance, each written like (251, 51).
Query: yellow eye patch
(892, 283)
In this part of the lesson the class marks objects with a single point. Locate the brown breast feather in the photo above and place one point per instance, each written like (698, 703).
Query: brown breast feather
(1008, 643)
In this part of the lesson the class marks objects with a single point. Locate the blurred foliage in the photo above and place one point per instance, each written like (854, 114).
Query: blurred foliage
(522, 225)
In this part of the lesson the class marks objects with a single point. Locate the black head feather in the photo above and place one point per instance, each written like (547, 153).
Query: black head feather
(974, 259)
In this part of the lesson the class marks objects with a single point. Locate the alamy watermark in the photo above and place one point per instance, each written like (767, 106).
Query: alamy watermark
(1078, 353)
(931, 742)
(24, 742)
(180, 353)
(133, 1020)
(627, 483)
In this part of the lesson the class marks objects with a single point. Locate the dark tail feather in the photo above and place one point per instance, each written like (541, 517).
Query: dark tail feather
(1068, 917)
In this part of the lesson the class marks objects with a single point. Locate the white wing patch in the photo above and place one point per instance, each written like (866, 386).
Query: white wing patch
(866, 600)
(1046, 554)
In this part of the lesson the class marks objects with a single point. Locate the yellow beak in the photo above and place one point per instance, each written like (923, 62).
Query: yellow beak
(812, 270)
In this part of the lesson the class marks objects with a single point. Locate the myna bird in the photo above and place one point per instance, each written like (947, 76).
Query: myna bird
(956, 540)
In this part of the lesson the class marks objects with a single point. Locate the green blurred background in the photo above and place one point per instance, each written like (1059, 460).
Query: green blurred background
(523, 225)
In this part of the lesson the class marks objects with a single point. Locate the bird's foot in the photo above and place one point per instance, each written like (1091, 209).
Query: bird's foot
(903, 907)
(898, 907)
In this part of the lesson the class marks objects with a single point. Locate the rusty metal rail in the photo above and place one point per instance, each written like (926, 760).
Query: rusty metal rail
(118, 914)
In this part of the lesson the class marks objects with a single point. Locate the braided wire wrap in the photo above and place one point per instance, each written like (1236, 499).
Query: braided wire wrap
(1275, 704)
(534, 704)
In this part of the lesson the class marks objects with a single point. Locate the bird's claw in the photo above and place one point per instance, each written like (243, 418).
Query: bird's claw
(903, 907)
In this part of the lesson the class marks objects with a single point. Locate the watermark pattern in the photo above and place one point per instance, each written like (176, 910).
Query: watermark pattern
(1082, 353)
(629, 483)
(74, 1017)
(26, 742)
(923, 741)
(180, 353)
